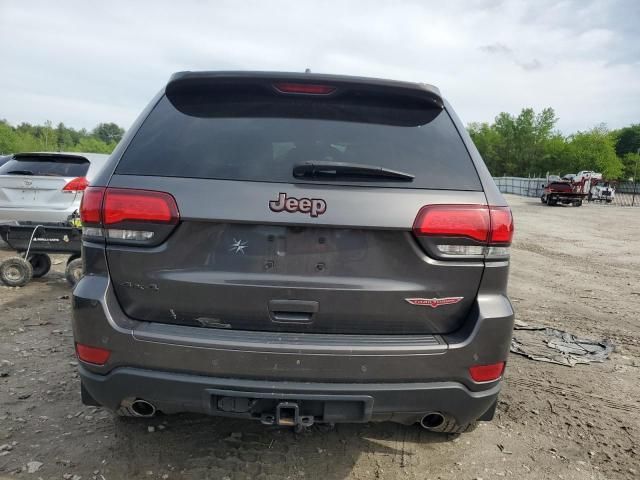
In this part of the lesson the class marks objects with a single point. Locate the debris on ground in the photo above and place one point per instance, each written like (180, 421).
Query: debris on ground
(544, 344)
(504, 450)
(33, 467)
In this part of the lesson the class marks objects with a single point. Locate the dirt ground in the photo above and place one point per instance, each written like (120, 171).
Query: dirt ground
(577, 269)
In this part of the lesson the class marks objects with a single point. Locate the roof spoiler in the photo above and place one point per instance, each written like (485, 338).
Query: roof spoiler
(66, 156)
(423, 93)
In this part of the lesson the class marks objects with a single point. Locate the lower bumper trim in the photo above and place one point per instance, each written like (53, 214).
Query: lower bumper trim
(173, 392)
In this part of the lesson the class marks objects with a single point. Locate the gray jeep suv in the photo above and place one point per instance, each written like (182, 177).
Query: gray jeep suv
(295, 248)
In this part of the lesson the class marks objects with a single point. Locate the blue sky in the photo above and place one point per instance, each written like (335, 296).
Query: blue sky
(88, 62)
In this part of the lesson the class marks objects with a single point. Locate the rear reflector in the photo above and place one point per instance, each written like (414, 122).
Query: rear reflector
(486, 373)
(125, 205)
(95, 355)
(304, 88)
(78, 184)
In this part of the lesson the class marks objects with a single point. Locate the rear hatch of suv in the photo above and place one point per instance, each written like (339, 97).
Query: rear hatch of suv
(47, 181)
(295, 205)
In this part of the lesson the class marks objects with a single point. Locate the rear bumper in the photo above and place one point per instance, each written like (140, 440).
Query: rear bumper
(400, 377)
(327, 402)
(39, 215)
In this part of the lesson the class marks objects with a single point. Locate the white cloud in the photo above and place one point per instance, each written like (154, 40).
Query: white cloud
(87, 62)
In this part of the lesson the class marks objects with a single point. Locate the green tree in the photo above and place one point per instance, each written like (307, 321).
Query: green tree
(7, 138)
(516, 145)
(528, 144)
(595, 150)
(48, 135)
(29, 138)
(554, 156)
(93, 145)
(627, 140)
(631, 162)
(108, 132)
(65, 140)
(487, 140)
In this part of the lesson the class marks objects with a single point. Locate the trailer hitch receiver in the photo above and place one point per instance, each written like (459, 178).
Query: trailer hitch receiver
(288, 414)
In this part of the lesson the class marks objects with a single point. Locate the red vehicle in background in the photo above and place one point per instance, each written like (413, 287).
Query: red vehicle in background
(573, 189)
(564, 192)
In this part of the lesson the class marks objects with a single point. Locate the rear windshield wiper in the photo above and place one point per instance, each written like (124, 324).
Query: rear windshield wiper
(19, 172)
(344, 170)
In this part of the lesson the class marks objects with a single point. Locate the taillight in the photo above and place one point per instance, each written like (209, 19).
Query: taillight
(126, 215)
(465, 230)
(95, 355)
(78, 184)
(91, 206)
(470, 221)
(125, 205)
(487, 373)
(501, 225)
(304, 88)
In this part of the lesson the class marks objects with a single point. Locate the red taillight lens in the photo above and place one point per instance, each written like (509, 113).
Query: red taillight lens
(124, 205)
(493, 225)
(95, 355)
(470, 221)
(78, 184)
(305, 88)
(91, 205)
(501, 225)
(486, 373)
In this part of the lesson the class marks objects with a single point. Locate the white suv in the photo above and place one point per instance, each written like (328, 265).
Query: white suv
(45, 187)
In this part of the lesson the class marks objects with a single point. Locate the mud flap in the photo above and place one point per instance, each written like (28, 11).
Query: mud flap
(490, 413)
(86, 397)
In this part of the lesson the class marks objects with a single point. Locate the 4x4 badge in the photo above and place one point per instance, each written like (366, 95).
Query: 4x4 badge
(312, 206)
(433, 302)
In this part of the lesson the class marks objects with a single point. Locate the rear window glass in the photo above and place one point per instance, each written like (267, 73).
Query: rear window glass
(263, 142)
(46, 166)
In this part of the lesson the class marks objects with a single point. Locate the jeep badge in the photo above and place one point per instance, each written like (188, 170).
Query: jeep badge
(312, 206)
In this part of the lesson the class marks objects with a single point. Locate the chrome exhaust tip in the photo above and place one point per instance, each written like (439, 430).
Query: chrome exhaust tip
(142, 408)
(432, 421)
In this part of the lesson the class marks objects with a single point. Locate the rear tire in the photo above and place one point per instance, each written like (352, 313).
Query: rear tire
(16, 272)
(41, 264)
(74, 271)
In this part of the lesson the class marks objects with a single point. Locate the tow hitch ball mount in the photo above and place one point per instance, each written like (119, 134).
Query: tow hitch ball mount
(287, 414)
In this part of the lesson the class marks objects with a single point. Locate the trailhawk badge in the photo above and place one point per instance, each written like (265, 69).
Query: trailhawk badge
(433, 302)
(312, 206)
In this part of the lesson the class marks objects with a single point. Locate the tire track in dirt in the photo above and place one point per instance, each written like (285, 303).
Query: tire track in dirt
(572, 393)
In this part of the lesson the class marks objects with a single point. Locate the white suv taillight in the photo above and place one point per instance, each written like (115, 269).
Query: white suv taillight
(78, 184)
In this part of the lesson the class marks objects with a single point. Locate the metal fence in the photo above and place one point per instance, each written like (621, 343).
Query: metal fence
(527, 187)
(533, 187)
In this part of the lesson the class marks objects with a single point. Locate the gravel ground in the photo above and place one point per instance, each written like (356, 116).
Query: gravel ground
(577, 269)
